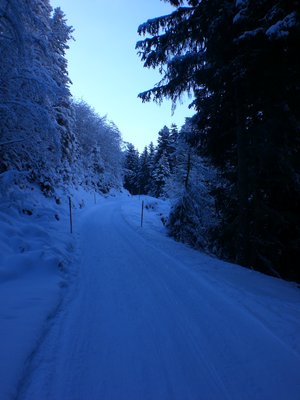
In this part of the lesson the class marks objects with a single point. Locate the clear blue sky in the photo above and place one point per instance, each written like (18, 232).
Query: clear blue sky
(106, 71)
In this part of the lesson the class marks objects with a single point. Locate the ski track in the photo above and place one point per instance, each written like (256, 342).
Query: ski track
(139, 325)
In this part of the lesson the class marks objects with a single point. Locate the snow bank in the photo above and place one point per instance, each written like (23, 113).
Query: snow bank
(274, 303)
(36, 250)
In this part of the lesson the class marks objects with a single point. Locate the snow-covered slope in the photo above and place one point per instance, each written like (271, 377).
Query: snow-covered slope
(36, 258)
(149, 318)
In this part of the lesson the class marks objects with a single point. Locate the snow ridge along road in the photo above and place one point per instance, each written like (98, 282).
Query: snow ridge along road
(149, 319)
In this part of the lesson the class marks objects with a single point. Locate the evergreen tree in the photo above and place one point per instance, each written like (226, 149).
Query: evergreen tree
(192, 214)
(151, 152)
(151, 156)
(172, 148)
(239, 59)
(61, 34)
(144, 172)
(160, 175)
(29, 90)
(164, 144)
(41, 131)
(151, 163)
(131, 169)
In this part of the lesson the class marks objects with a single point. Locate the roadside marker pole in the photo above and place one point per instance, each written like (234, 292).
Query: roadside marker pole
(71, 219)
(142, 215)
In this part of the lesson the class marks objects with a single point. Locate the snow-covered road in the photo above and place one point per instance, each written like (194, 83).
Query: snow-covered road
(140, 323)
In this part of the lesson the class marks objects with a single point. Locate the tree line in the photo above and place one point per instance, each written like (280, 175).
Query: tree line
(239, 60)
(173, 169)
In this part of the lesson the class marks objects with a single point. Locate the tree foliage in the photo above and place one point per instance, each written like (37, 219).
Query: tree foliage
(98, 154)
(239, 59)
(131, 169)
(40, 127)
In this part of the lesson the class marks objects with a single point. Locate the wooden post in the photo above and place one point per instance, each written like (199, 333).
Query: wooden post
(71, 219)
(142, 215)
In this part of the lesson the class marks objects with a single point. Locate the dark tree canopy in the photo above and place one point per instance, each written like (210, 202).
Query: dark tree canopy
(239, 60)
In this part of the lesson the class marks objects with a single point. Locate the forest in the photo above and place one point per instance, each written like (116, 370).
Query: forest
(231, 171)
(236, 161)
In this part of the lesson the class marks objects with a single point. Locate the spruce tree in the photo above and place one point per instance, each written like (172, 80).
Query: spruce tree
(164, 144)
(239, 60)
(144, 173)
(160, 175)
(131, 169)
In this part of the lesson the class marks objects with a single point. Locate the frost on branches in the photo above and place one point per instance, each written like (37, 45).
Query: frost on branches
(40, 130)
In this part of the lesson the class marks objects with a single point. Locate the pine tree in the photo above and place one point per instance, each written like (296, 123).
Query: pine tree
(131, 169)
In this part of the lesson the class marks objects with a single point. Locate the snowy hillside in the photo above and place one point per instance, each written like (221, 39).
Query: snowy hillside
(36, 257)
(119, 311)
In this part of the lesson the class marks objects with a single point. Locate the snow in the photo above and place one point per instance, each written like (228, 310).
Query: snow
(281, 28)
(241, 3)
(250, 34)
(132, 314)
(35, 254)
(238, 17)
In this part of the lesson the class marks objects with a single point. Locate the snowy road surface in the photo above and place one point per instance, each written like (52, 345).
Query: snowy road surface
(140, 323)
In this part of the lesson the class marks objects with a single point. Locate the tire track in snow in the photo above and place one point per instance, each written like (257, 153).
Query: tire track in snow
(141, 326)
